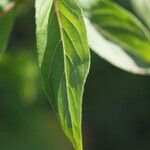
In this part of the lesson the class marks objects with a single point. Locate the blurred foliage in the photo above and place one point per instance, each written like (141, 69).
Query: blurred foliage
(116, 104)
(25, 122)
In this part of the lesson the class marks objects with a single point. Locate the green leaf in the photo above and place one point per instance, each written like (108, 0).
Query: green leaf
(64, 60)
(142, 8)
(124, 39)
(113, 53)
(122, 27)
(7, 16)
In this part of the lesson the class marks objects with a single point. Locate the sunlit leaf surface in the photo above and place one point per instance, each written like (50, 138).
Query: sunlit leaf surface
(64, 60)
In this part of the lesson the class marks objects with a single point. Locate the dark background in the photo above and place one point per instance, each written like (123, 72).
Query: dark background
(116, 104)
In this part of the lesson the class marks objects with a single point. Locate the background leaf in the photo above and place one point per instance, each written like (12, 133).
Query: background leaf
(113, 53)
(64, 60)
(122, 27)
(129, 48)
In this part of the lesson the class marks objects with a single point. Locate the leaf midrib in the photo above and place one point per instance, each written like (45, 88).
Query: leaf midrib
(56, 9)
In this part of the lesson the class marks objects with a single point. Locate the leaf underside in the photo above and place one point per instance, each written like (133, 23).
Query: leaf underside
(114, 53)
(64, 60)
(118, 36)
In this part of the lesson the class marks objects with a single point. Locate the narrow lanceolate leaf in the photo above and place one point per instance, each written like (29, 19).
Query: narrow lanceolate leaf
(7, 16)
(142, 8)
(64, 61)
(121, 27)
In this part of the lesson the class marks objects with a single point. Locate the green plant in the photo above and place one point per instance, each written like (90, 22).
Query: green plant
(62, 42)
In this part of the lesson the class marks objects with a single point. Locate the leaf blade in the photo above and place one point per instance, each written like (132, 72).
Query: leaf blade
(113, 53)
(65, 65)
(128, 47)
(121, 27)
